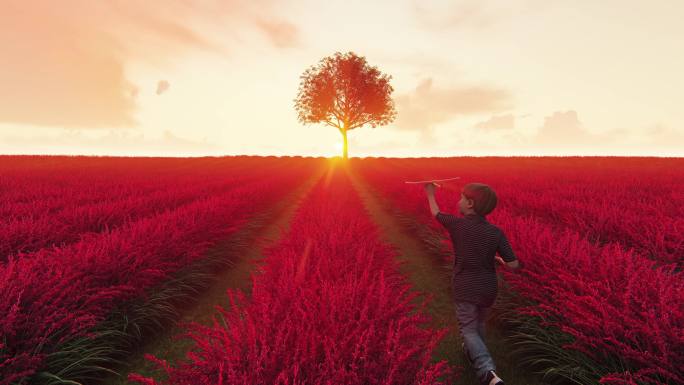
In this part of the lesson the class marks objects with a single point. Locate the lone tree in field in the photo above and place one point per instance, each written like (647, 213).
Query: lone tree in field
(344, 92)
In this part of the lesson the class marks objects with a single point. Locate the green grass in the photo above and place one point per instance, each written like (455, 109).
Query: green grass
(88, 359)
(541, 347)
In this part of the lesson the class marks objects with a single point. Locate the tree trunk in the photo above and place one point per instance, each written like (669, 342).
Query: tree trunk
(344, 147)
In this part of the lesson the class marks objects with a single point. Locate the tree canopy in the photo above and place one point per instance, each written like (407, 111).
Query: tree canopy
(344, 92)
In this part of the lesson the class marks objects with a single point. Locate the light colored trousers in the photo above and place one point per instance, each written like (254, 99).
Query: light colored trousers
(471, 319)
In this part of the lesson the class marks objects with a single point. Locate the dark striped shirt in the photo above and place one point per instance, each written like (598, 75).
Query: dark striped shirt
(475, 243)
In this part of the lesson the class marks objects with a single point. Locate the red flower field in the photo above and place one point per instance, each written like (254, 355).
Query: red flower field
(97, 253)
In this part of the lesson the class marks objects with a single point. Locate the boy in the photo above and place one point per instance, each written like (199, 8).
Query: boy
(475, 242)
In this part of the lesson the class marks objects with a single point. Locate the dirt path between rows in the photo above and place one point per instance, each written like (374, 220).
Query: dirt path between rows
(426, 273)
(244, 249)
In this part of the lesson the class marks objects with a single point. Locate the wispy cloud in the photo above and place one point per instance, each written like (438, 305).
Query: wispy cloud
(282, 33)
(64, 62)
(112, 142)
(497, 122)
(429, 105)
(469, 14)
(658, 135)
(563, 132)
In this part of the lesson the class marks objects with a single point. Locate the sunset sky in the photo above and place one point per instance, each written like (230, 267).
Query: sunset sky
(189, 78)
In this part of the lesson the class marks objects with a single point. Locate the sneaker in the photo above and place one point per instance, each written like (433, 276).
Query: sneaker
(492, 379)
(467, 354)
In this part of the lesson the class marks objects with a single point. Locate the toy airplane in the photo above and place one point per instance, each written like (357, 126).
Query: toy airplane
(434, 181)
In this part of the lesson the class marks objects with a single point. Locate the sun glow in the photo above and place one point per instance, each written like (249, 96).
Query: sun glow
(338, 148)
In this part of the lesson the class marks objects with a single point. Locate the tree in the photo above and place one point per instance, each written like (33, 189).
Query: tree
(344, 92)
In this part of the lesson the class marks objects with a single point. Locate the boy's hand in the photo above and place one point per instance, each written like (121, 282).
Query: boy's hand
(430, 187)
(513, 265)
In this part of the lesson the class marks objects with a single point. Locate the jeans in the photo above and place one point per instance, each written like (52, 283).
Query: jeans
(471, 319)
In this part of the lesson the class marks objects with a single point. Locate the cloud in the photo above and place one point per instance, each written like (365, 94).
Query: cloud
(470, 14)
(563, 133)
(655, 137)
(281, 33)
(162, 86)
(113, 142)
(64, 61)
(663, 140)
(428, 106)
(563, 129)
(661, 134)
(497, 122)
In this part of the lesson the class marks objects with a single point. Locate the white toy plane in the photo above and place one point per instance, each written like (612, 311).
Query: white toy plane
(433, 181)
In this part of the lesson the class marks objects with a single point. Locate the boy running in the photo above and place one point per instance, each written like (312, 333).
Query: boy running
(476, 243)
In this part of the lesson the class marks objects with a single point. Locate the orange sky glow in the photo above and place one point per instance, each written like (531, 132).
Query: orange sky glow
(475, 78)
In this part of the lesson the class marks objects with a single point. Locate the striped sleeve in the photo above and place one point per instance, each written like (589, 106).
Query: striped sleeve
(445, 219)
(504, 249)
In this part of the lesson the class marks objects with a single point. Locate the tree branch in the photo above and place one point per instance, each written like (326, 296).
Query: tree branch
(328, 122)
(337, 115)
(342, 107)
(356, 116)
(360, 124)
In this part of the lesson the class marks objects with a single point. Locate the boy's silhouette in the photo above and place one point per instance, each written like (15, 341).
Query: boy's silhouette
(476, 243)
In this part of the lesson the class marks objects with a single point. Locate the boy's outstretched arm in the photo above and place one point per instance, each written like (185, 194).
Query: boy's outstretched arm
(430, 191)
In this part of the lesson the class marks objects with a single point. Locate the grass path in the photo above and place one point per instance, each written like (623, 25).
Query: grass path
(427, 274)
(244, 249)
